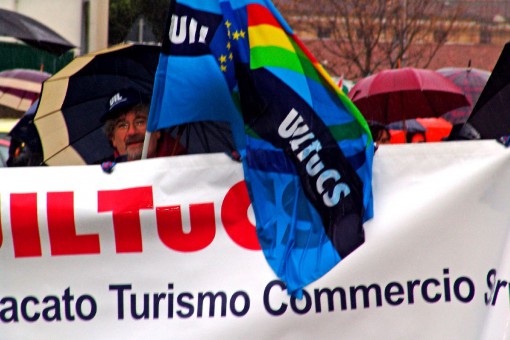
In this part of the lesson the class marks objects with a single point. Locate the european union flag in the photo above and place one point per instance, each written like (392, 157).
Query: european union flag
(306, 150)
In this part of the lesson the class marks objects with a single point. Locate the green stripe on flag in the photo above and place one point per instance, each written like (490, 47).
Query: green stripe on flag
(272, 56)
(351, 130)
(356, 114)
(308, 67)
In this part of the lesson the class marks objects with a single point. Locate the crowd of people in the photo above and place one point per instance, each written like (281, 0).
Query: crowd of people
(124, 122)
(381, 134)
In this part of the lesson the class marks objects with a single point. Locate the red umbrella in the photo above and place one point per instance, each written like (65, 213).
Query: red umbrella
(400, 94)
(19, 88)
(471, 81)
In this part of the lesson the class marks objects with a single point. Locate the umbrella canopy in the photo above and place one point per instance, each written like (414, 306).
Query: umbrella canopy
(471, 81)
(400, 94)
(32, 32)
(25, 148)
(490, 117)
(433, 129)
(205, 137)
(74, 99)
(19, 88)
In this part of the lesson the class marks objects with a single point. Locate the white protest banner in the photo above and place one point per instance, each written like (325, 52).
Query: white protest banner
(166, 248)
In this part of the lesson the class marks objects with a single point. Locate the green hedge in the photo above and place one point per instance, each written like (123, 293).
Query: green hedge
(15, 55)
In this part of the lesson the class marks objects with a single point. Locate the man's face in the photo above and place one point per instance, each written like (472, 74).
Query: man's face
(129, 134)
(385, 137)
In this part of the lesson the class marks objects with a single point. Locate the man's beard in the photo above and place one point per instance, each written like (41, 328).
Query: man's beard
(134, 153)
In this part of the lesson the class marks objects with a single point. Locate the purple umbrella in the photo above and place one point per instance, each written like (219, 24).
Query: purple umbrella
(19, 88)
(471, 81)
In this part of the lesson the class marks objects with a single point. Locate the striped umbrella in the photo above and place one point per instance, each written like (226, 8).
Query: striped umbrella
(74, 99)
(19, 88)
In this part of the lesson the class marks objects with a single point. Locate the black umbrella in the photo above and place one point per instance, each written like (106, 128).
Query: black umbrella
(32, 32)
(490, 117)
(205, 137)
(25, 148)
(74, 99)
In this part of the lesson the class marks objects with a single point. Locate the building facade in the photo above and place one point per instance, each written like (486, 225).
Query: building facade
(477, 36)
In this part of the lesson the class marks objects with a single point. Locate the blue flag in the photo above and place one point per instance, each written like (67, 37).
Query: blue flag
(306, 150)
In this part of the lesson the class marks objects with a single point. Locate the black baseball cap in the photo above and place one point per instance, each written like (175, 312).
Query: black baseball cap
(124, 99)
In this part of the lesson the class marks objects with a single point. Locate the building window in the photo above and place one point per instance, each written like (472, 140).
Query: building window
(485, 36)
(323, 32)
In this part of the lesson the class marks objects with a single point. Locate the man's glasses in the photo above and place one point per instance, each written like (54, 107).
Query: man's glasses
(138, 124)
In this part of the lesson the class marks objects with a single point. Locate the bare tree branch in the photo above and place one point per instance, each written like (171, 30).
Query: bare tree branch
(365, 36)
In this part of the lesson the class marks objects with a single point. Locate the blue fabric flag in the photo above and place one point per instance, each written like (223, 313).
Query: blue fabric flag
(306, 150)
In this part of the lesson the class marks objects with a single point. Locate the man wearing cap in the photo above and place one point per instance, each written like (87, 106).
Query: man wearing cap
(125, 123)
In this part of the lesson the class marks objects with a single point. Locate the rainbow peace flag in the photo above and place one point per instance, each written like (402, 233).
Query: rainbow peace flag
(306, 150)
